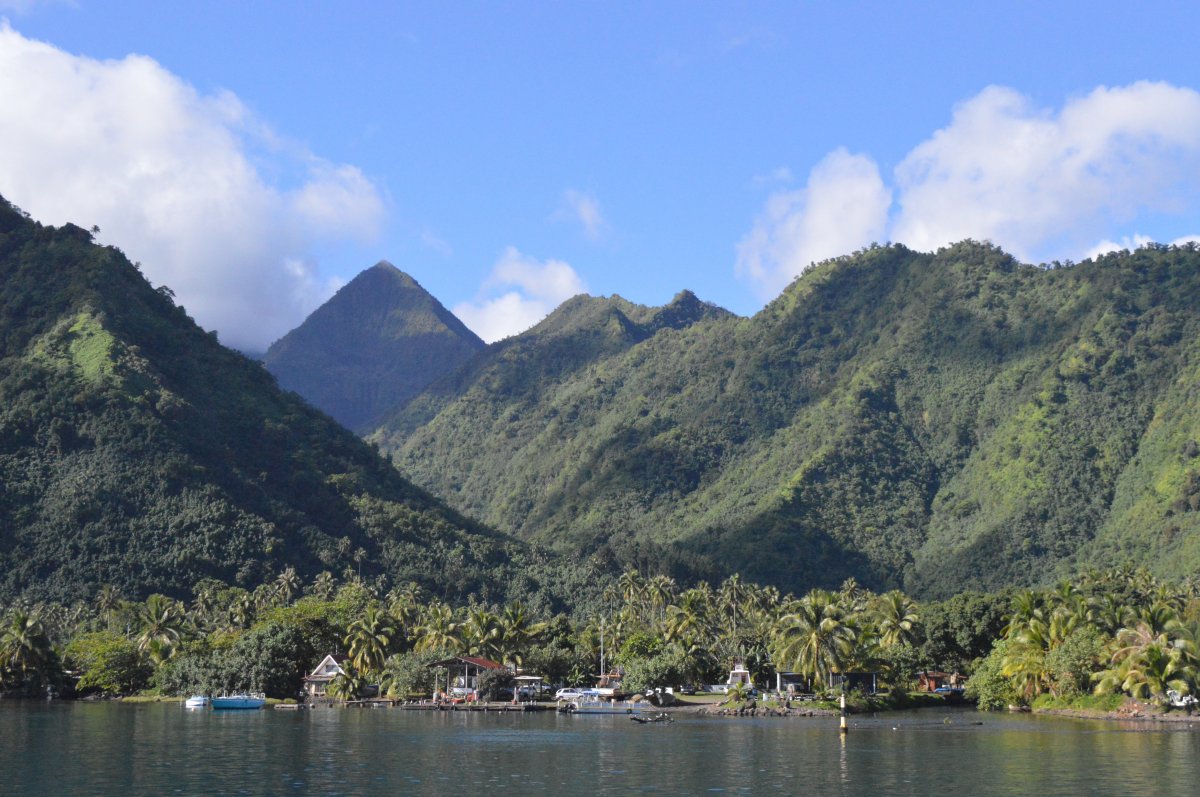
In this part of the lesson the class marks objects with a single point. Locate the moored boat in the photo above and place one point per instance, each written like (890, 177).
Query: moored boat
(247, 701)
(196, 701)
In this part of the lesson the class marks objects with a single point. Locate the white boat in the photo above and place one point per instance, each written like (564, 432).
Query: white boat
(247, 701)
(196, 701)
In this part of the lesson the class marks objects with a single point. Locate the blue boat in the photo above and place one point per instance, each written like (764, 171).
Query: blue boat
(227, 702)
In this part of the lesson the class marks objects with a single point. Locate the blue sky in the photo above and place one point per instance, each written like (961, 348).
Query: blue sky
(255, 156)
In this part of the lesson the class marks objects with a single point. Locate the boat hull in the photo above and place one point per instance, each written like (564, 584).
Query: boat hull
(237, 703)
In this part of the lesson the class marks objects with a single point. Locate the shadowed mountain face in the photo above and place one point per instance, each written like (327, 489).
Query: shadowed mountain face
(138, 452)
(932, 421)
(372, 347)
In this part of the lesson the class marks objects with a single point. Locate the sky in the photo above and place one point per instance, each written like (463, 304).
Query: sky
(254, 157)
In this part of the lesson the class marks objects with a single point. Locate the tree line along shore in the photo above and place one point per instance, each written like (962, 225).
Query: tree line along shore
(1088, 643)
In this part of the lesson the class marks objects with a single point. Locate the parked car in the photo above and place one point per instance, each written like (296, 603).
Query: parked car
(569, 693)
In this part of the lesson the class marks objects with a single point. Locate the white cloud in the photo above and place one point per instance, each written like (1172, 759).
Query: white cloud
(844, 205)
(167, 173)
(519, 292)
(1041, 183)
(584, 209)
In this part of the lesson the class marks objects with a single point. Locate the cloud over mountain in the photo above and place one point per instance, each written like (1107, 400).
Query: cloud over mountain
(519, 292)
(1043, 183)
(210, 200)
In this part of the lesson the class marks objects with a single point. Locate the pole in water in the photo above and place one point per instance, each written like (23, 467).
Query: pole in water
(842, 729)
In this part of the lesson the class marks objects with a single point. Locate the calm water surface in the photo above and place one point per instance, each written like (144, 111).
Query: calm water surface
(111, 749)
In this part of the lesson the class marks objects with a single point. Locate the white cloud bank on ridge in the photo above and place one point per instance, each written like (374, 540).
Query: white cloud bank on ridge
(519, 292)
(167, 174)
(1042, 184)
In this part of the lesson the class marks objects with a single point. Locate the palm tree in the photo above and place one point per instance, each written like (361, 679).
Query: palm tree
(812, 639)
(347, 685)
(481, 632)
(1149, 674)
(323, 585)
(286, 585)
(896, 618)
(517, 633)
(160, 620)
(368, 640)
(24, 648)
(438, 630)
(108, 601)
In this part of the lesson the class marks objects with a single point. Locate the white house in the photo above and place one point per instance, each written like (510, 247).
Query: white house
(316, 682)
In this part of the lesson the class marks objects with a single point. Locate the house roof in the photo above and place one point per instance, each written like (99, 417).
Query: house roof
(336, 658)
(477, 661)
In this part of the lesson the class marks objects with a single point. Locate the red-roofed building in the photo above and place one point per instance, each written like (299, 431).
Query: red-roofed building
(463, 672)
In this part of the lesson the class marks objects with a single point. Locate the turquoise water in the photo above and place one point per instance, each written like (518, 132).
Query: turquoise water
(111, 749)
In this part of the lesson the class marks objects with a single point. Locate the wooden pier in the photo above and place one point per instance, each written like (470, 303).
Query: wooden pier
(421, 705)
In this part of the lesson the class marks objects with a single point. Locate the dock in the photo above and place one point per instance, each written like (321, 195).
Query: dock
(404, 705)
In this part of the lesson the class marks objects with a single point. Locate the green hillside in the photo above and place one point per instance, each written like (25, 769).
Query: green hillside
(137, 452)
(373, 346)
(932, 421)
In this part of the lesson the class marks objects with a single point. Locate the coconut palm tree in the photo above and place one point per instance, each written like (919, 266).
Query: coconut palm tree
(160, 620)
(1148, 674)
(368, 640)
(896, 618)
(812, 638)
(347, 685)
(286, 585)
(25, 650)
(517, 633)
(323, 585)
(438, 630)
(481, 632)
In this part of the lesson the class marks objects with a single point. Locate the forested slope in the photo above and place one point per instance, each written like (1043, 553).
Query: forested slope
(136, 451)
(934, 421)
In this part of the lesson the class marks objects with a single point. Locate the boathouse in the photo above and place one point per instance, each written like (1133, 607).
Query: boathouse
(463, 672)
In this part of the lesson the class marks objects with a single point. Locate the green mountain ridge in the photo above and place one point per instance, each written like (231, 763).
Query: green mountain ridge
(373, 346)
(137, 452)
(935, 421)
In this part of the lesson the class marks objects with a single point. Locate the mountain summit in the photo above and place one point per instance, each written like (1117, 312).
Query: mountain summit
(137, 452)
(377, 343)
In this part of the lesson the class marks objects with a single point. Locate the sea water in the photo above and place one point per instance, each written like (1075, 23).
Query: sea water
(65, 748)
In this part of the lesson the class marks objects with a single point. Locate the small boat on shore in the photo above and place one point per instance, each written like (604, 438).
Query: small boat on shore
(247, 701)
(196, 701)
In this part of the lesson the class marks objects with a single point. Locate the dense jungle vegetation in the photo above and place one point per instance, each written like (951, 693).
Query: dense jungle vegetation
(933, 422)
(1115, 634)
(139, 453)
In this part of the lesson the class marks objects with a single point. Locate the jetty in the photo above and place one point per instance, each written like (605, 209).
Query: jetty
(423, 705)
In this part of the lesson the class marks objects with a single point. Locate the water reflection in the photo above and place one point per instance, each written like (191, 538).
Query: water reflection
(162, 749)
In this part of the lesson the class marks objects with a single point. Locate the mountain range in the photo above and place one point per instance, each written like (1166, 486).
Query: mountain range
(932, 421)
(137, 452)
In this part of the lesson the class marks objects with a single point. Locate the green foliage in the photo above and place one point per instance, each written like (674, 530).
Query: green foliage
(107, 663)
(929, 421)
(137, 452)
(664, 669)
(490, 683)
(988, 686)
(410, 674)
